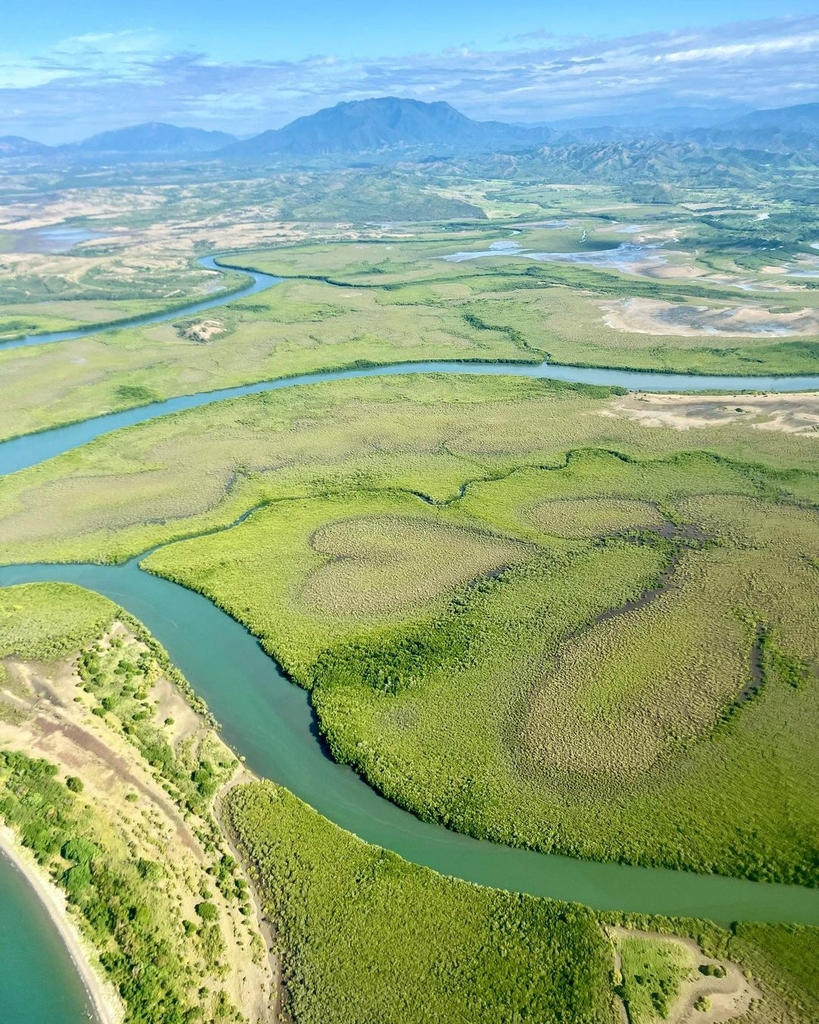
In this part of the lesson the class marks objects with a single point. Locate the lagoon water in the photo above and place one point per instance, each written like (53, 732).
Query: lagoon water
(38, 981)
(624, 257)
(53, 239)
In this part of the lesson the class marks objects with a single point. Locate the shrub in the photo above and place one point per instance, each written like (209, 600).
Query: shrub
(207, 911)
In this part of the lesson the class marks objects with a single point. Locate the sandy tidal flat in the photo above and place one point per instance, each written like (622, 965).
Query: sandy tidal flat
(790, 414)
(651, 316)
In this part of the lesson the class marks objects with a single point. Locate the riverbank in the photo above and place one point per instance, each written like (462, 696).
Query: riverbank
(106, 1005)
(140, 837)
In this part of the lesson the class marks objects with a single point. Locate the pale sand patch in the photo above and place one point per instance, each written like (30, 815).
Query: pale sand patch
(171, 704)
(674, 271)
(652, 316)
(203, 330)
(730, 997)
(104, 1000)
(790, 414)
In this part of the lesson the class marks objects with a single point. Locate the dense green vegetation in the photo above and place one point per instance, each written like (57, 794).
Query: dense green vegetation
(50, 620)
(552, 659)
(785, 961)
(520, 555)
(426, 435)
(652, 972)
(366, 936)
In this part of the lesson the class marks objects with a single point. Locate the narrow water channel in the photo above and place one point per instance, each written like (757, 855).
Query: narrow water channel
(258, 282)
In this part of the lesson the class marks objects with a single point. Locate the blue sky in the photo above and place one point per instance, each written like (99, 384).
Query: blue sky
(71, 68)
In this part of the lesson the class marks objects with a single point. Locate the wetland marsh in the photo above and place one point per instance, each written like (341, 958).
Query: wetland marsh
(527, 631)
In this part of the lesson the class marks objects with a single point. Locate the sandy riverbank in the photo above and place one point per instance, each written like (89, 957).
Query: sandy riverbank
(796, 413)
(104, 1000)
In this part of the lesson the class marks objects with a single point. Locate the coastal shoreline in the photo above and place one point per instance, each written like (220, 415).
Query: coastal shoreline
(105, 1003)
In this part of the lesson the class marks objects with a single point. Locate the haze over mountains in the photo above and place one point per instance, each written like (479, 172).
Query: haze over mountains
(388, 129)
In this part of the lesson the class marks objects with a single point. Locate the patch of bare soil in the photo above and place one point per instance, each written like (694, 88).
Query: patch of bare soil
(203, 331)
(651, 316)
(788, 413)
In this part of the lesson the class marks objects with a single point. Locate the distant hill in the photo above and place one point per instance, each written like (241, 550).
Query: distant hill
(802, 119)
(16, 145)
(153, 138)
(389, 130)
(386, 126)
(782, 129)
(651, 162)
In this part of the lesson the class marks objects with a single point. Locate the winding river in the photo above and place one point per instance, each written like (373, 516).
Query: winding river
(258, 283)
(269, 720)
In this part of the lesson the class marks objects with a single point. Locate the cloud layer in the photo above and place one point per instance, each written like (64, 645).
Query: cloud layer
(94, 82)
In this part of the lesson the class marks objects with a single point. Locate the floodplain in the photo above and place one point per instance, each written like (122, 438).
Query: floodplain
(558, 617)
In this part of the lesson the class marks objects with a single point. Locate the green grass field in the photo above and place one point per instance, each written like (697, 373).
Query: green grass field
(652, 972)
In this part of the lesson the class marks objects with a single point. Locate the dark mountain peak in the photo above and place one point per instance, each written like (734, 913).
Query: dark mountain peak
(386, 125)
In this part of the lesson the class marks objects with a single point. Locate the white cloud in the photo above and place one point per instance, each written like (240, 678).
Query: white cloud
(94, 81)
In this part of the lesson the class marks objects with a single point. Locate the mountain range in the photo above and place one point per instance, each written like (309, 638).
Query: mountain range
(388, 129)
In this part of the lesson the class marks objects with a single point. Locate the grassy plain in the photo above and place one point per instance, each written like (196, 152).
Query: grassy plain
(380, 293)
(652, 976)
